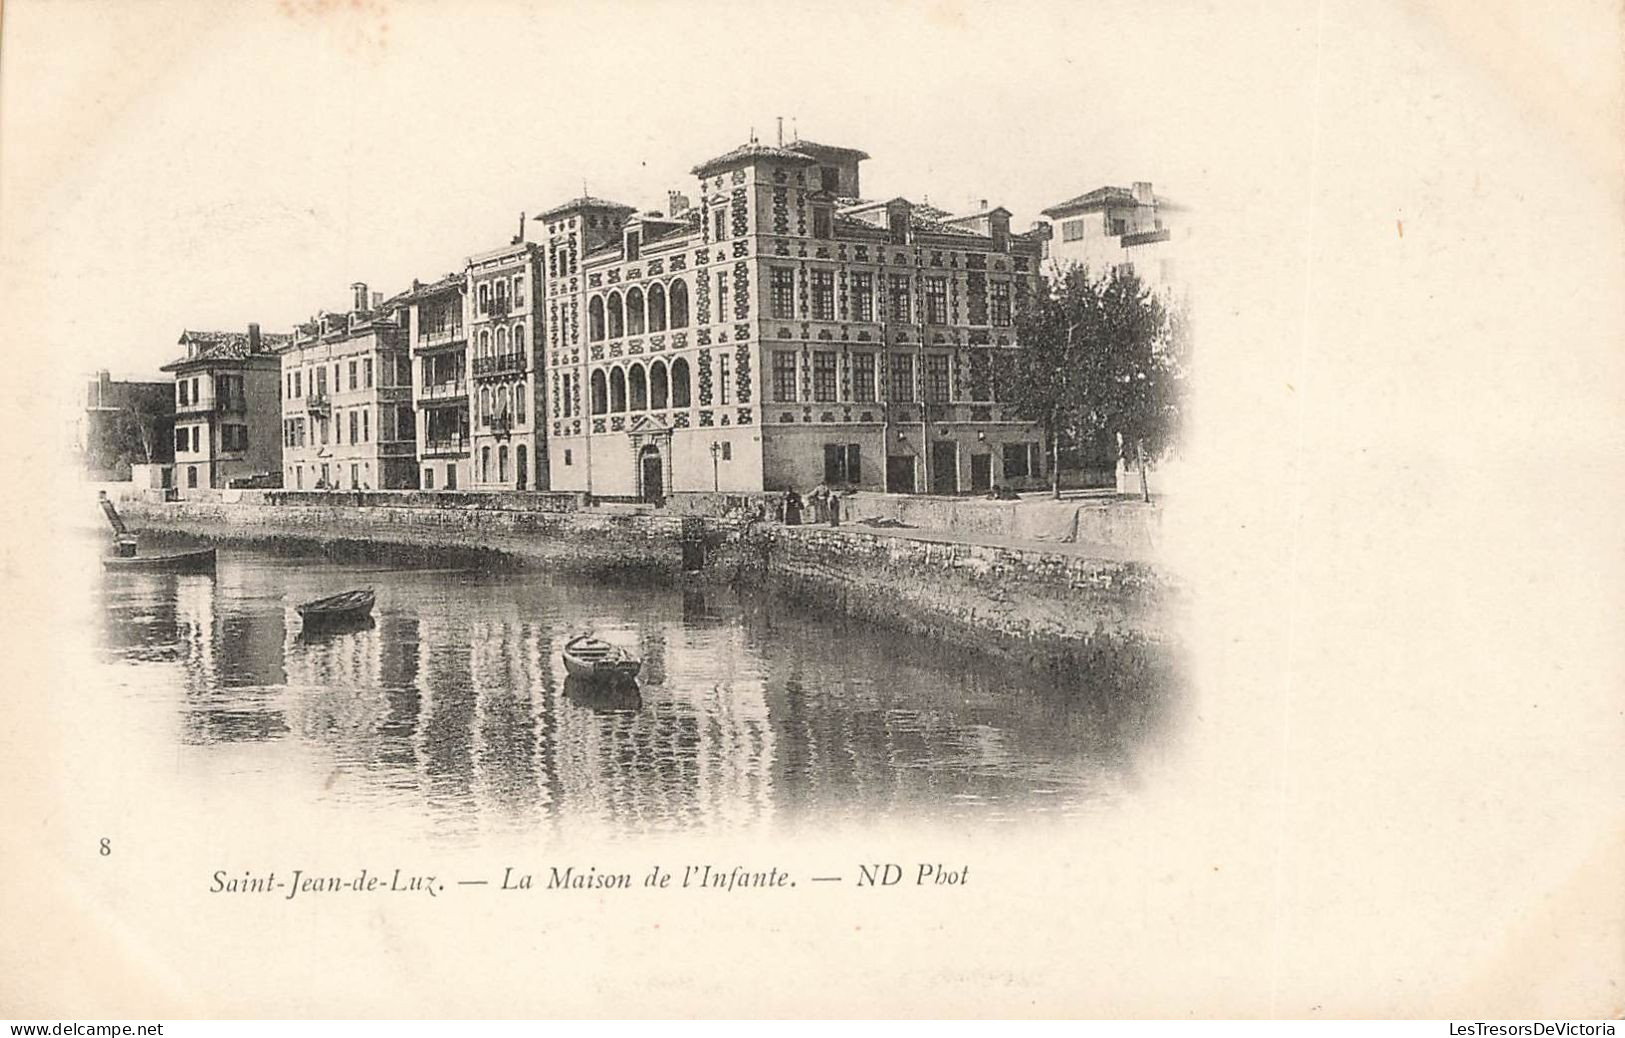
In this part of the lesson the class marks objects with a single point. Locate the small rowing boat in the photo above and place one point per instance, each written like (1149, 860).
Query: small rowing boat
(348, 607)
(199, 561)
(592, 659)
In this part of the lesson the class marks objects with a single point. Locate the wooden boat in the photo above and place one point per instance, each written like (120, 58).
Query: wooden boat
(592, 659)
(199, 561)
(345, 608)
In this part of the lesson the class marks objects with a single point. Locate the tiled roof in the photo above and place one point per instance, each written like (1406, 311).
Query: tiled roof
(206, 346)
(584, 202)
(748, 153)
(1100, 196)
(814, 148)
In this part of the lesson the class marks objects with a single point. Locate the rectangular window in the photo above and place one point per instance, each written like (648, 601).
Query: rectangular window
(724, 383)
(182, 393)
(355, 476)
(822, 223)
(632, 243)
(298, 383)
(783, 298)
(366, 373)
(1118, 228)
(323, 423)
(197, 442)
(321, 381)
(354, 382)
(1072, 230)
(824, 376)
(863, 377)
(182, 440)
(898, 223)
(936, 378)
(720, 223)
(823, 295)
(568, 460)
(727, 450)
(784, 376)
(863, 297)
(1015, 461)
(428, 479)
(936, 300)
(287, 390)
(366, 424)
(1035, 459)
(1001, 303)
(722, 298)
(518, 290)
(902, 377)
(899, 297)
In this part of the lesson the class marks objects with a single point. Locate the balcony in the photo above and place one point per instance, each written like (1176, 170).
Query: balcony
(494, 308)
(428, 340)
(1143, 238)
(318, 405)
(444, 391)
(500, 364)
(443, 446)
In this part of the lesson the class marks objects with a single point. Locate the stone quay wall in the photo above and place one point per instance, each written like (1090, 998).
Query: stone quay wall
(1032, 604)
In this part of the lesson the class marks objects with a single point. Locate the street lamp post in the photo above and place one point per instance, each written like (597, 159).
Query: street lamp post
(716, 453)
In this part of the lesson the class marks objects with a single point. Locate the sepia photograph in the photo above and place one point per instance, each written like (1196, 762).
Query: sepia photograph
(738, 510)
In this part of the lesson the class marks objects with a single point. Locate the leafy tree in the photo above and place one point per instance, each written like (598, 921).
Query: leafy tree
(1102, 355)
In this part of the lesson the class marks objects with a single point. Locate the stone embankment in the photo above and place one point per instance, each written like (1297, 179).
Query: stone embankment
(1040, 602)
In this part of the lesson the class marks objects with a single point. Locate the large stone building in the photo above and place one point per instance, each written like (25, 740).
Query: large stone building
(226, 409)
(438, 332)
(509, 441)
(347, 414)
(781, 331)
(1112, 227)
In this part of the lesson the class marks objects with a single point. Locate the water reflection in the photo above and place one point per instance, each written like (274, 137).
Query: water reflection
(452, 702)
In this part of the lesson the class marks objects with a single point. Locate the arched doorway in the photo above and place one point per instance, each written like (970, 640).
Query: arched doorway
(651, 472)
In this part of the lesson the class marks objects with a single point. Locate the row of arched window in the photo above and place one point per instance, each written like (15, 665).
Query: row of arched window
(496, 401)
(665, 306)
(632, 389)
(500, 340)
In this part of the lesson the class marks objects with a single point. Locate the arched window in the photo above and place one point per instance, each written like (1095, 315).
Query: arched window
(658, 388)
(617, 390)
(679, 304)
(657, 308)
(679, 382)
(617, 319)
(595, 318)
(485, 298)
(502, 341)
(504, 402)
(485, 343)
(502, 464)
(521, 466)
(519, 338)
(519, 403)
(639, 388)
(634, 312)
(600, 394)
(485, 404)
(485, 464)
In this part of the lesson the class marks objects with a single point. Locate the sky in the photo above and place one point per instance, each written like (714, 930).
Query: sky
(209, 166)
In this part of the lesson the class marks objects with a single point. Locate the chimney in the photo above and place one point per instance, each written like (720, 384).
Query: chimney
(253, 338)
(358, 292)
(1142, 192)
(982, 208)
(377, 300)
(676, 204)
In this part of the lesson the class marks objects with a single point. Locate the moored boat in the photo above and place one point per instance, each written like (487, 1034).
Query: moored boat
(588, 658)
(347, 607)
(199, 561)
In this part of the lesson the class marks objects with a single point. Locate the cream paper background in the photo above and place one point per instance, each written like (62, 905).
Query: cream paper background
(1398, 788)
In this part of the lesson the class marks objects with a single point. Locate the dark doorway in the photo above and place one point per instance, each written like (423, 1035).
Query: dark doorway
(981, 473)
(653, 475)
(521, 466)
(900, 474)
(945, 468)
